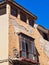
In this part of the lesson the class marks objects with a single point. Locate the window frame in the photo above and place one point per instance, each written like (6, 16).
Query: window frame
(27, 52)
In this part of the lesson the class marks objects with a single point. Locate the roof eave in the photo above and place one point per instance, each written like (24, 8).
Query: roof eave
(19, 6)
(16, 4)
(42, 29)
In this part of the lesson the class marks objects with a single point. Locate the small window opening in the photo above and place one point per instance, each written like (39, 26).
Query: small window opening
(14, 12)
(31, 22)
(3, 10)
(23, 17)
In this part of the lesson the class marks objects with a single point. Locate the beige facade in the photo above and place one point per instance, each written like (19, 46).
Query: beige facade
(42, 49)
(12, 26)
(3, 37)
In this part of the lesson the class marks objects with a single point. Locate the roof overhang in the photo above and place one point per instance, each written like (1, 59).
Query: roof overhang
(44, 30)
(19, 6)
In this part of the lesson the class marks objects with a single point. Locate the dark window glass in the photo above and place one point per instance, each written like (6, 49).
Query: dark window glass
(23, 44)
(22, 16)
(2, 10)
(31, 56)
(30, 47)
(14, 12)
(23, 54)
(31, 22)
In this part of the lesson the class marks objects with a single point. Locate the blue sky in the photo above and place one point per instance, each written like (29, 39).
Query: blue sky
(38, 7)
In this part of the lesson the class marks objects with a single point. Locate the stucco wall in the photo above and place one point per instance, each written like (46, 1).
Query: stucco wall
(3, 39)
(43, 58)
(16, 26)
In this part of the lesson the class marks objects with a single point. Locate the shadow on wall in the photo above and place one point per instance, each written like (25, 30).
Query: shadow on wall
(43, 32)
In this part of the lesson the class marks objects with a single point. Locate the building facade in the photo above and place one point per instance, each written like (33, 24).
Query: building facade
(22, 41)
